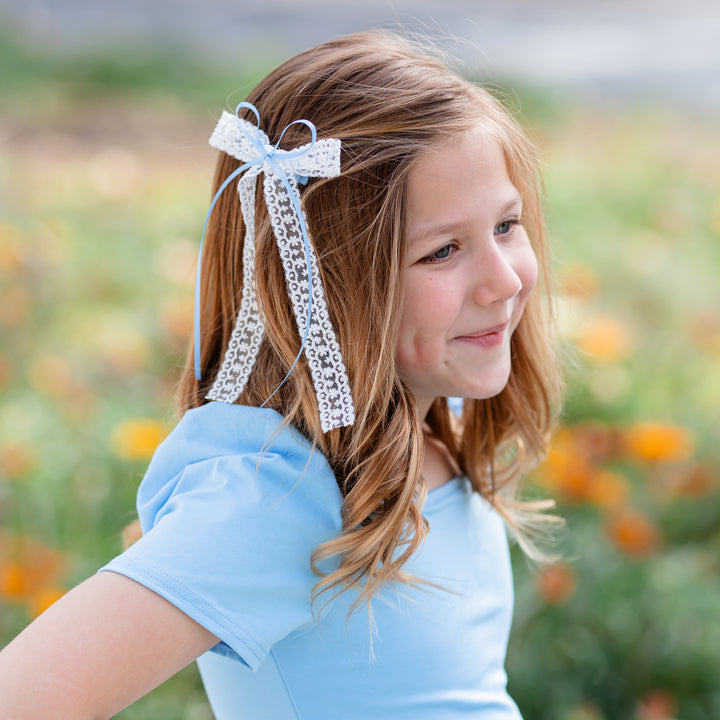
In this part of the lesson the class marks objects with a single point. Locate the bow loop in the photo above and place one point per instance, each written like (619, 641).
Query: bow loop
(244, 145)
(319, 159)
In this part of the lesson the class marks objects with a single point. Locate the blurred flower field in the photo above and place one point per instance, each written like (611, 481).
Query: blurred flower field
(104, 191)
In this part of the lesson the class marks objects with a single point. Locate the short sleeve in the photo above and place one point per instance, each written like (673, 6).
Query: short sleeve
(228, 538)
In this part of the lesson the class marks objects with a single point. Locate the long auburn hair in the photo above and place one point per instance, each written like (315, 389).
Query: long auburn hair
(387, 102)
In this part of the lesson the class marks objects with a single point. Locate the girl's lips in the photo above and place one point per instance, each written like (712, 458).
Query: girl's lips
(487, 331)
(489, 337)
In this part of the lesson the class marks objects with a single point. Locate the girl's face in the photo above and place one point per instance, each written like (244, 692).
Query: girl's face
(469, 270)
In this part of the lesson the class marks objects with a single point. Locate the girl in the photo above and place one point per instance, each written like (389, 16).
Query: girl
(385, 262)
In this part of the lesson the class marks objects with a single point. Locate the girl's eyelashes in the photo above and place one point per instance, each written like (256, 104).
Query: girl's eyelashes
(506, 226)
(446, 251)
(439, 255)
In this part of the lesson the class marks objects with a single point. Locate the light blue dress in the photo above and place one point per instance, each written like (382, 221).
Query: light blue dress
(232, 506)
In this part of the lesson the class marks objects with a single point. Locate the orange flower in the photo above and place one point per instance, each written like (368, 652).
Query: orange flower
(604, 339)
(556, 583)
(27, 568)
(686, 480)
(13, 583)
(560, 454)
(658, 442)
(50, 375)
(632, 532)
(607, 489)
(597, 440)
(137, 439)
(16, 460)
(43, 599)
(576, 484)
(657, 705)
(566, 468)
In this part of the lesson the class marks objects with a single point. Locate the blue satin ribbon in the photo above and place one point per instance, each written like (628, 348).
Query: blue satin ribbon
(265, 154)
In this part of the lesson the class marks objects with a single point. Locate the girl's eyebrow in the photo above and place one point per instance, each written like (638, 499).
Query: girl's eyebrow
(448, 228)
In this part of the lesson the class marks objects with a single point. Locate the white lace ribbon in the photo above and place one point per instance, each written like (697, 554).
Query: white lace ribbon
(282, 170)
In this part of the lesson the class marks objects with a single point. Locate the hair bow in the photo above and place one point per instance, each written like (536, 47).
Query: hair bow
(283, 170)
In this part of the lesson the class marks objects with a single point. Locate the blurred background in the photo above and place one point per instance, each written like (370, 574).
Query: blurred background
(105, 111)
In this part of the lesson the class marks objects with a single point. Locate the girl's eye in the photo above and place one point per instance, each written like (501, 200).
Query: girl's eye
(506, 226)
(442, 254)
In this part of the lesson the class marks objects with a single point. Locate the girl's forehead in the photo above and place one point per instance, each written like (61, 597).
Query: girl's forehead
(458, 183)
(474, 152)
(475, 137)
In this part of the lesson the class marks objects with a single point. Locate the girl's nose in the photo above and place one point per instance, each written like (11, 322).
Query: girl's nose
(496, 279)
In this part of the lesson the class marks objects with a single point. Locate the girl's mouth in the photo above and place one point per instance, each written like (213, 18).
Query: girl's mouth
(488, 337)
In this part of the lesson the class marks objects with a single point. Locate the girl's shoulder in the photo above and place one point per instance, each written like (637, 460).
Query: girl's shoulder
(236, 453)
(219, 429)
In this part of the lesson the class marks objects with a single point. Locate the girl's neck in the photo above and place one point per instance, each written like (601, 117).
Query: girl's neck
(438, 466)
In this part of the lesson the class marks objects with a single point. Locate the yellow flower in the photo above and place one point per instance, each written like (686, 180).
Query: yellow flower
(10, 243)
(137, 439)
(577, 280)
(659, 442)
(604, 339)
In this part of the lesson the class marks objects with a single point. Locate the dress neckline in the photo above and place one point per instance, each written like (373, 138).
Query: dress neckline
(442, 492)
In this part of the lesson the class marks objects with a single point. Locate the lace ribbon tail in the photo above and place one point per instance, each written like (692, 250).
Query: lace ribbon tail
(248, 332)
(304, 287)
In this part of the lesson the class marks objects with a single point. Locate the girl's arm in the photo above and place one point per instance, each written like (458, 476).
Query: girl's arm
(102, 646)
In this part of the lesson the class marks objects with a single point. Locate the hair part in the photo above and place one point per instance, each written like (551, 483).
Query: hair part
(387, 102)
